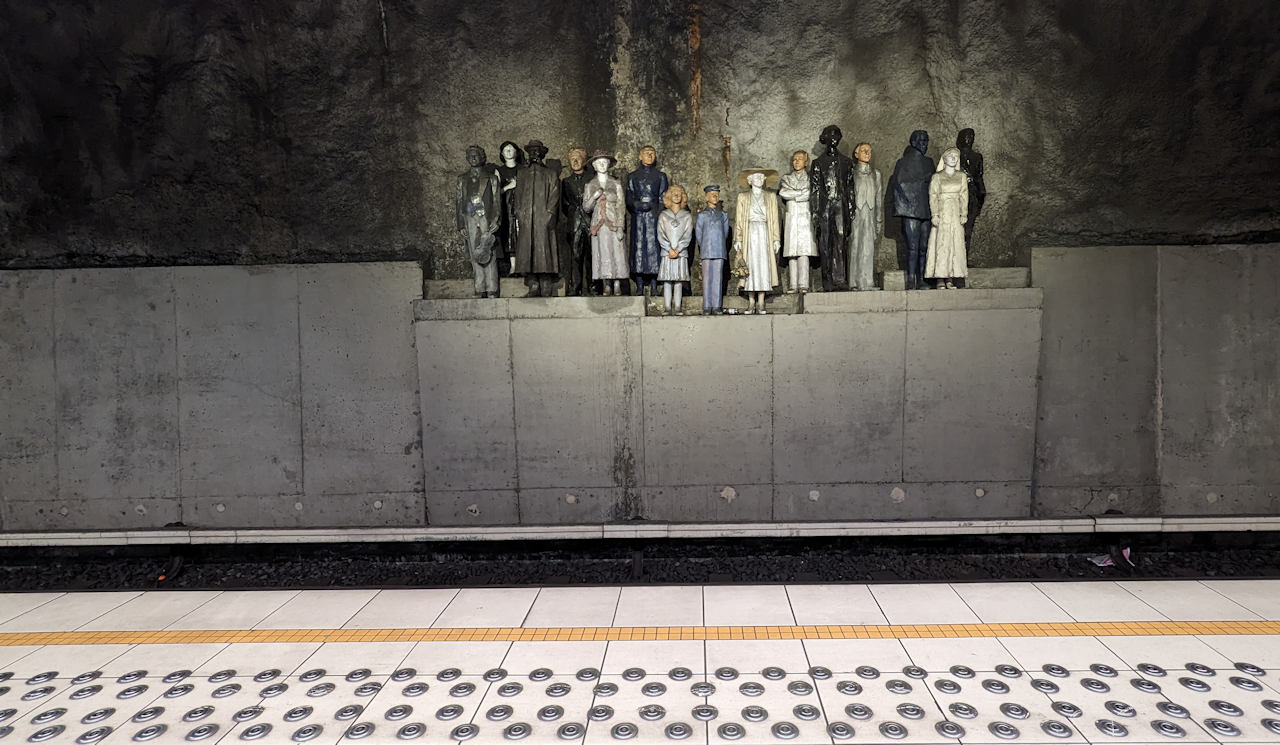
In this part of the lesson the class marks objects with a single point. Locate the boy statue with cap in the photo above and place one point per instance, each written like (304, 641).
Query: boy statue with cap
(712, 232)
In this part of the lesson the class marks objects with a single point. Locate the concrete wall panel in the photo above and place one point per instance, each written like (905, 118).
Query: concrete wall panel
(360, 417)
(238, 381)
(902, 501)
(117, 386)
(28, 389)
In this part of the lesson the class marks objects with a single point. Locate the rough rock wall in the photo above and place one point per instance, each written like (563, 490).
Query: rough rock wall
(229, 131)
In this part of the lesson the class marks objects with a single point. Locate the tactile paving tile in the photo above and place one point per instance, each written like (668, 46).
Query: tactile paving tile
(1192, 703)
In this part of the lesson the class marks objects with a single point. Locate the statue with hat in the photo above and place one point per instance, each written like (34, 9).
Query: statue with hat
(602, 198)
(536, 200)
(797, 232)
(479, 208)
(645, 187)
(575, 227)
(756, 234)
(712, 232)
(831, 208)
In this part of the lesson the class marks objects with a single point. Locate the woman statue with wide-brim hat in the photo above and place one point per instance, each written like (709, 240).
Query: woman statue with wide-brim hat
(604, 200)
(757, 235)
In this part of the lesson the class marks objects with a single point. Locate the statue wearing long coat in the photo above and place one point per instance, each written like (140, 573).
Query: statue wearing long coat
(831, 208)
(645, 187)
(536, 199)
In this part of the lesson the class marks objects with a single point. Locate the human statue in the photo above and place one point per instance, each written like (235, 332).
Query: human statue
(797, 229)
(645, 187)
(712, 231)
(510, 160)
(868, 193)
(756, 234)
(910, 179)
(971, 166)
(479, 216)
(575, 227)
(675, 233)
(603, 200)
(536, 199)
(949, 205)
(831, 207)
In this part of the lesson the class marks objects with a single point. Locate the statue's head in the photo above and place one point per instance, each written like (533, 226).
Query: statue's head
(831, 136)
(675, 198)
(964, 140)
(648, 156)
(512, 152)
(475, 156)
(577, 159)
(536, 150)
(920, 141)
(799, 159)
(712, 194)
(862, 152)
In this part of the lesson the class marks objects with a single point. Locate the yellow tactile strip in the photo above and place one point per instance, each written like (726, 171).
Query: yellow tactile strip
(643, 633)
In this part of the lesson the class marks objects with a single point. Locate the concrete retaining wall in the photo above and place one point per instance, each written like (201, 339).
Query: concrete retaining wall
(212, 396)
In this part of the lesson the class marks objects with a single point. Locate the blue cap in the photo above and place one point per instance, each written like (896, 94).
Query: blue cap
(710, 188)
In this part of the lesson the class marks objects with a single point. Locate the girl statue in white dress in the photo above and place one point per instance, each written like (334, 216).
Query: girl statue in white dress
(675, 233)
(949, 204)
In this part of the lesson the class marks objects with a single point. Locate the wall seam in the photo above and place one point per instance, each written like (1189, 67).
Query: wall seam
(177, 396)
(302, 414)
(1158, 409)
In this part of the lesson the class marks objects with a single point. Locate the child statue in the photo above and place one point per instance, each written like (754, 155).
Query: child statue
(479, 207)
(675, 233)
(798, 244)
(603, 199)
(713, 237)
(756, 236)
(645, 186)
(949, 204)
(868, 195)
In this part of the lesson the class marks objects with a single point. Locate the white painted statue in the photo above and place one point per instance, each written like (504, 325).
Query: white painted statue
(675, 233)
(797, 231)
(868, 202)
(756, 235)
(949, 204)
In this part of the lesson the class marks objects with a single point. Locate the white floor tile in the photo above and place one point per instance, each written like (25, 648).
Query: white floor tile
(14, 604)
(922, 604)
(69, 660)
(562, 658)
(1010, 602)
(1072, 652)
(1262, 596)
(235, 609)
(150, 610)
(1184, 600)
(11, 655)
(1169, 652)
(1260, 650)
(402, 609)
(669, 605)
(753, 655)
(487, 608)
(746, 605)
(655, 656)
(251, 659)
(1098, 601)
(472, 658)
(815, 605)
(573, 606)
(845, 655)
(162, 659)
(318, 609)
(937, 655)
(382, 658)
(67, 612)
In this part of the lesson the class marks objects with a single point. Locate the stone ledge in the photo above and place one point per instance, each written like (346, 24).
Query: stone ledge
(980, 278)
(490, 309)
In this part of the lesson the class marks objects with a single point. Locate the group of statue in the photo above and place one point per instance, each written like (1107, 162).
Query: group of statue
(519, 216)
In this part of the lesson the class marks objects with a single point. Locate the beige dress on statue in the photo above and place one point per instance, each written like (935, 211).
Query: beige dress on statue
(949, 203)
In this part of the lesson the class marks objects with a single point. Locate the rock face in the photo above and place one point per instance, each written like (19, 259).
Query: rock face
(171, 132)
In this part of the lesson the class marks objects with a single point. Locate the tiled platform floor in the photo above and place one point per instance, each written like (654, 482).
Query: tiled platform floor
(1131, 662)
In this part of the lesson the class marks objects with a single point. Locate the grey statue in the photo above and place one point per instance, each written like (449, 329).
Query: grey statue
(910, 182)
(479, 208)
(971, 164)
(831, 208)
(536, 200)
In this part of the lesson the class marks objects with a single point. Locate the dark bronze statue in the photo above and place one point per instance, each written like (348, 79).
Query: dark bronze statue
(575, 227)
(910, 184)
(971, 164)
(479, 206)
(510, 160)
(645, 187)
(831, 209)
(536, 200)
